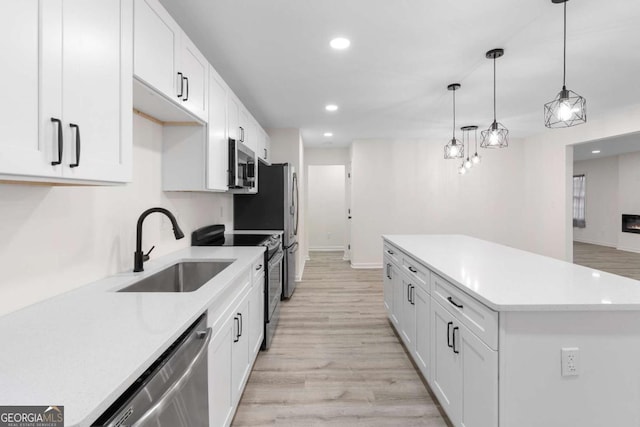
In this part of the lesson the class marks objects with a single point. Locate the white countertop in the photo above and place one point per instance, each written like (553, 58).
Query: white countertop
(508, 279)
(84, 348)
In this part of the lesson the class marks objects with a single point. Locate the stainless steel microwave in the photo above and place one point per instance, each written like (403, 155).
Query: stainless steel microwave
(242, 166)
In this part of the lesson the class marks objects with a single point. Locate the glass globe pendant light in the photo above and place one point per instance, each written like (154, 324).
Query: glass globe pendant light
(476, 158)
(496, 136)
(568, 108)
(454, 148)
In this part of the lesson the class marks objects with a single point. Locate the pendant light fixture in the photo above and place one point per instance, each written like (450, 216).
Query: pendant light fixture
(568, 108)
(454, 148)
(466, 130)
(476, 158)
(496, 136)
(466, 164)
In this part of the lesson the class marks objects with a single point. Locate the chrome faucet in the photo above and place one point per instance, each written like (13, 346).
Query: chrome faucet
(139, 257)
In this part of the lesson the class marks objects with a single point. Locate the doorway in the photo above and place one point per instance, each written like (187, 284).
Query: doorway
(326, 202)
(606, 173)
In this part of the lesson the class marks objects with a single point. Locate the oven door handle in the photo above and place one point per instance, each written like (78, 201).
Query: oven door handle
(180, 382)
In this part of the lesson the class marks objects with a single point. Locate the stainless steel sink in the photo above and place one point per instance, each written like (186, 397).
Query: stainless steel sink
(181, 277)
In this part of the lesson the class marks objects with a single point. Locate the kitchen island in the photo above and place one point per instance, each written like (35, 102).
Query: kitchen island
(84, 348)
(508, 338)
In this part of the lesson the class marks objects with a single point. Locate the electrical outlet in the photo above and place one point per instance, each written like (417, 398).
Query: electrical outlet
(570, 361)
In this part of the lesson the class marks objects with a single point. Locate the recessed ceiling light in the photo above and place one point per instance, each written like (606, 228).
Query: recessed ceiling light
(328, 134)
(595, 152)
(340, 43)
(331, 107)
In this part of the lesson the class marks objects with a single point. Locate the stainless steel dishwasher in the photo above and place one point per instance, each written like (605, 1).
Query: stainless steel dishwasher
(173, 391)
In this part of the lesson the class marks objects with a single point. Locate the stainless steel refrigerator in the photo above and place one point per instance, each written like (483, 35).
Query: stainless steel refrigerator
(274, 207)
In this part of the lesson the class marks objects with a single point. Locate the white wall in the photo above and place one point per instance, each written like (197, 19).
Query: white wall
(287, 147)
(628, 198)
(55, 239)
(405, 186)
(602, 212)
(326, 213)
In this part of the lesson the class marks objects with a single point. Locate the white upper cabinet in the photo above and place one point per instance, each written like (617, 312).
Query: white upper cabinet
(195, 70)
(156, 46)
(97, 89)
(168, 62)
(71, 62)
(233, 117)
(21, 152)
(217, 143)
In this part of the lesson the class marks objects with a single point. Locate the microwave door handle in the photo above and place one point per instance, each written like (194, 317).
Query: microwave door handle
(179, 383)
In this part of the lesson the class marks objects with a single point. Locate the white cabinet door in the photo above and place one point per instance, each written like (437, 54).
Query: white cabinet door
(240, 363)
(267, 147)
(388, 286)
(233, 117)
(256, 316)
(422, 302)
(480, 378)
(97, 89)
(156, 44)
(398, 306)
(260, 135)
(446, 371)
(408, 317)
(218, 146)
(245, 127)
(195, 70)
(22, 152)
(221, 403)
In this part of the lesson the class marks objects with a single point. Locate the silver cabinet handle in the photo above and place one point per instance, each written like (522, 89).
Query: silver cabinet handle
(179, 383)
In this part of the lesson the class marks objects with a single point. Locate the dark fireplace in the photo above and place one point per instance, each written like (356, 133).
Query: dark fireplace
(630, 223)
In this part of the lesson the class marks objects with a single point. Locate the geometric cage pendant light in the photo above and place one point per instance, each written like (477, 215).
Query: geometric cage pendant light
(454, 148)
(496, 136)
(568, 108)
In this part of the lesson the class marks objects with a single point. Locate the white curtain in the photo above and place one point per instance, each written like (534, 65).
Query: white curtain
(579, 192)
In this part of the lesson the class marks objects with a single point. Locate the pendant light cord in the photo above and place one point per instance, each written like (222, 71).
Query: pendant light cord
(494, 88)
(476, 139)
(454, 115)
(564, 55)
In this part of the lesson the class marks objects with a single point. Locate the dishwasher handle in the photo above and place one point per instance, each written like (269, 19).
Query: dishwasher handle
(180, 382)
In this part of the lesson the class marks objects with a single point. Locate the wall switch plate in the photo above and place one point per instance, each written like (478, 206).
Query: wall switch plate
(570, 361)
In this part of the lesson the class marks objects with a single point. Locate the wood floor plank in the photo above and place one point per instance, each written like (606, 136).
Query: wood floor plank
(611, 260)
(335, 360)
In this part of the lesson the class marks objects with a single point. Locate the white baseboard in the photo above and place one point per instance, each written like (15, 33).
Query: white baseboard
(593, 242)
(622, 248)
(326, 249)
(365, 265)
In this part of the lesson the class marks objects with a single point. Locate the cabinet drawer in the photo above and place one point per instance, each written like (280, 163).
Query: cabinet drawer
(392, 252)
(480, 319)
(418, 273)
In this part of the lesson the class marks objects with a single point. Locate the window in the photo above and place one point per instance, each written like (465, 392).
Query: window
(579, 193)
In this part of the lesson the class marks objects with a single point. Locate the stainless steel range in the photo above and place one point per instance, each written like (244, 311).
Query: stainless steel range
(214, 235)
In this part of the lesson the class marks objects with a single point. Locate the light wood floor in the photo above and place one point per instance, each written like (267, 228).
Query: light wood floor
(335, 359)
(607, 259)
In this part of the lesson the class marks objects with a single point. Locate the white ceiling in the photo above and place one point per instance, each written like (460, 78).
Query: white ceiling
(623, 144)
(391, 82)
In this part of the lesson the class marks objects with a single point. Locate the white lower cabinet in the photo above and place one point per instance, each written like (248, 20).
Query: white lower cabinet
(464, 373)
(460, 368)
(408, 314)
(422, 356)
(240, 350)
(219, 364)
(256, 314)
(237, 337)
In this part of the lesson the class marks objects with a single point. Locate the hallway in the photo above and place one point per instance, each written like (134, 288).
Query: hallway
(335, 359)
